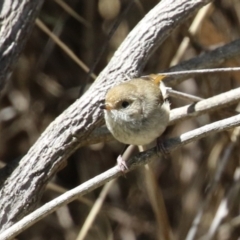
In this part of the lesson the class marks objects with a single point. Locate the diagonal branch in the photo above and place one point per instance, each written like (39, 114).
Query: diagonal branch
(206, 60)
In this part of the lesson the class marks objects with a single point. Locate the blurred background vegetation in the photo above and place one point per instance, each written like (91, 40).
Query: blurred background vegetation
(46, 80)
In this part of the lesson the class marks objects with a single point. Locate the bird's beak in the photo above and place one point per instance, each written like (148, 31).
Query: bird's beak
(106, 106)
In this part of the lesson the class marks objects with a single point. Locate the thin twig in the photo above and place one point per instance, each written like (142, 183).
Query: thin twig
(104, 47)
(155, 195)
(164, 231)
(194, 28)
(73, 13)
(94, 211)
(200, 71)
(205, 106)
(64, 47)
(183, 96)
(207, 60)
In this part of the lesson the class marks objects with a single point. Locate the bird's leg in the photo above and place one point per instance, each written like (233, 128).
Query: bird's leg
(122, 163)
(121, 159)
(161, 148)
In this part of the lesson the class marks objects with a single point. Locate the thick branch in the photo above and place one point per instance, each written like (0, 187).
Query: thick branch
(17, 19)
(22, 190)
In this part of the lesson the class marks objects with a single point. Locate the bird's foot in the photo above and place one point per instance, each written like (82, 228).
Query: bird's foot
(122, 163)
(161, 148)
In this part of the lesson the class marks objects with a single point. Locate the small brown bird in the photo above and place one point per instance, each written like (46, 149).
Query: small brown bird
(137, 111)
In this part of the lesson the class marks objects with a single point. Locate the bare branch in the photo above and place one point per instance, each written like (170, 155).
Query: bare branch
(210, 104)
(207, 60)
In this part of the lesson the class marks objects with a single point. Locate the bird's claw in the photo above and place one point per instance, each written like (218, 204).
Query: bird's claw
(122, 163)
(161, 148)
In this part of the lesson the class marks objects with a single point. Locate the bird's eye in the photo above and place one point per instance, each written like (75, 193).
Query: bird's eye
(125, 104)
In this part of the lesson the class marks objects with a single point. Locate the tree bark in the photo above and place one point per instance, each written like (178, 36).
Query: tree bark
(23, 188)
(17, 19)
